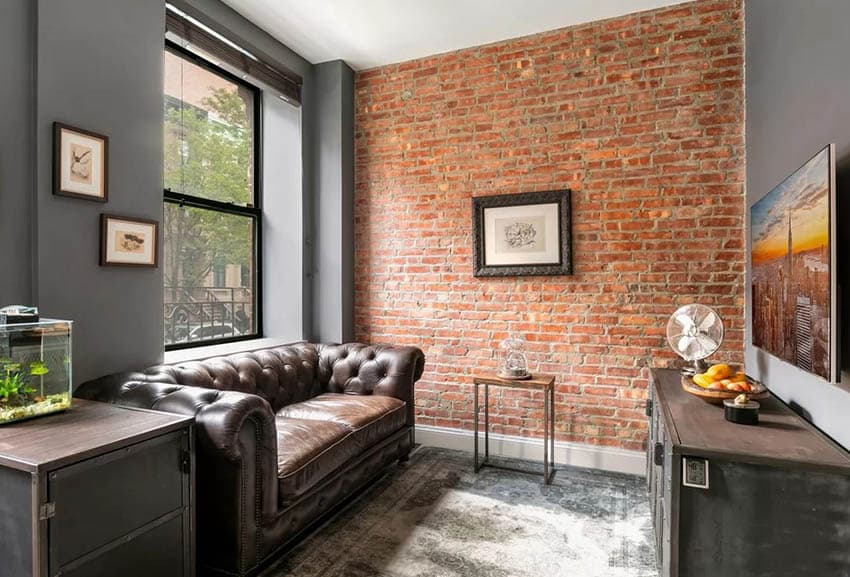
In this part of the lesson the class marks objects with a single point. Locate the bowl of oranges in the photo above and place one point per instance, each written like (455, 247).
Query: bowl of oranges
(722, 381)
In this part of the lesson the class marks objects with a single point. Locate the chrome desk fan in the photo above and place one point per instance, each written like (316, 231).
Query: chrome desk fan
(695, 332)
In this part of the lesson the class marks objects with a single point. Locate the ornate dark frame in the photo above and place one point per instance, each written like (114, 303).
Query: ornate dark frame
(565, 262)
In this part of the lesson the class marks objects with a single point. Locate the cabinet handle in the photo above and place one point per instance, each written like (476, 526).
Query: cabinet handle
(648, 408)
(658, 454)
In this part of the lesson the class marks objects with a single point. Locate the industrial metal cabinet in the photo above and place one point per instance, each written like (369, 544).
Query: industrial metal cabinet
(771, 500)
(99, 490)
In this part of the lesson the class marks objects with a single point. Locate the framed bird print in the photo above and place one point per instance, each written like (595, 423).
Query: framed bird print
(80, 159)
(126, 241)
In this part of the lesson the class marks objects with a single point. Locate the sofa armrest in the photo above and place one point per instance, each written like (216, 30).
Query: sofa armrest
(359, 369)
(219, 415)
(237, 487)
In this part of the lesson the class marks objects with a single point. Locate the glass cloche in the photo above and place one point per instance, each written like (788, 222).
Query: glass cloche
(513, 362)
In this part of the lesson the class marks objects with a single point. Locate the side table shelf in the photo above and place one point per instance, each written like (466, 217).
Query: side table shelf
(545, 383)
(97, 490)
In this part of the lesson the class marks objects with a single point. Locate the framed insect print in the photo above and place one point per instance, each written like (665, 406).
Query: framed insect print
(522, 234)
(128, 241)
(80, 163)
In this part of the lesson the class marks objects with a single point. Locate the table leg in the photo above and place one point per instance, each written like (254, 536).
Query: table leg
(486, 422)
(546, 436)
(552, 427)
(475, 426)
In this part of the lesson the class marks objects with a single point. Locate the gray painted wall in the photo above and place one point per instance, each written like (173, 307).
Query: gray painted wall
(333, 285)
(798, 100)
(227, 21)
(16, 150)
(283, 226)
(99, 66)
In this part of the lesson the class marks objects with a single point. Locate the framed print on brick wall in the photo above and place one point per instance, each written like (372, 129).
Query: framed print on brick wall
(522, 234)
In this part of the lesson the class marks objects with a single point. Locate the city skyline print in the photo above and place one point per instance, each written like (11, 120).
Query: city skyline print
(791, 279)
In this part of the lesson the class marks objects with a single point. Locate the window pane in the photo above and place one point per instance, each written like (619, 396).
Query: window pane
(209, 140)
(207, 294)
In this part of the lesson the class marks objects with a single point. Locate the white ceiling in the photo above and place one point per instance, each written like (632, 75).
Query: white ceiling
(369, 33)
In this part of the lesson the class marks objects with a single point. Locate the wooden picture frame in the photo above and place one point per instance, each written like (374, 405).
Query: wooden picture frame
(524, 234)
(128, 241)
(80, 163)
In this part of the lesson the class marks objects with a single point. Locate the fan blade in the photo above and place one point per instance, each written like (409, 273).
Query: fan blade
(709, 320)
(686, 322)
(684, 343)
(707, 344)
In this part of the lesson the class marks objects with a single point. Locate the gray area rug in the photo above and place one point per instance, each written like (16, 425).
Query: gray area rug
(433, 517)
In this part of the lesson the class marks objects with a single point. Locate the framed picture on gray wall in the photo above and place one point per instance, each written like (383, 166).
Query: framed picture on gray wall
(522, 234)
(80, 160)
(128, 241)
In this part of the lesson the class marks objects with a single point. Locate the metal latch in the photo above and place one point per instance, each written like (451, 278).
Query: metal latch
(658, 454)
(648, 407)
(47, 511)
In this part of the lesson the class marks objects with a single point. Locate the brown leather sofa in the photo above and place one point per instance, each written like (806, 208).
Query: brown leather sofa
(283, 435)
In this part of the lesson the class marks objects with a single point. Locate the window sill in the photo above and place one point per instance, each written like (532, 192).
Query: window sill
(200, 353)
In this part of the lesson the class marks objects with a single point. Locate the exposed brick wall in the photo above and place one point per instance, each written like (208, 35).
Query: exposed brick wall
(642, 117)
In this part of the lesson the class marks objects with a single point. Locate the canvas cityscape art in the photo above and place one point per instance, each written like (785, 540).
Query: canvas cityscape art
(791, 292)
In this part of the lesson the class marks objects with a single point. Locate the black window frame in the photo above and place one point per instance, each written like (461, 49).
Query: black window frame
(255, 211)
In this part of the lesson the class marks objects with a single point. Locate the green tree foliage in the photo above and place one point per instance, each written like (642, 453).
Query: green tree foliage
(208, 153)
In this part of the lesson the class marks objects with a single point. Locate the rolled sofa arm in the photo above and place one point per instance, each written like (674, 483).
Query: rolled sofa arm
(219, 415)
(236, 458)
(358, 369)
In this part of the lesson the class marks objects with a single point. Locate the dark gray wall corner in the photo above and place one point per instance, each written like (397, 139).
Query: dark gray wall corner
(99, 66)
(333, 283)
(16, 151)
(798, 100)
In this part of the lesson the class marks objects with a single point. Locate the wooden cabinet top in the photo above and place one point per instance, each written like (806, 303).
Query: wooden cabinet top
(87, 429)
(781, 438)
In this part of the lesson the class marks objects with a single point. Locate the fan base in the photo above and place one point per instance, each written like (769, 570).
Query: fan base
(696, 367)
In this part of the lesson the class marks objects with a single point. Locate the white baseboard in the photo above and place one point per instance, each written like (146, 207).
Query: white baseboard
(573, 454)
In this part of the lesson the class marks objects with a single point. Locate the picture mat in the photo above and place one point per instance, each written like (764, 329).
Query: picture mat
(546, 249)
(68, 183)
(115, 254)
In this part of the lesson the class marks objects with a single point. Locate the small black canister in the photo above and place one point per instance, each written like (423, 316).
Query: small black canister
(741, 411)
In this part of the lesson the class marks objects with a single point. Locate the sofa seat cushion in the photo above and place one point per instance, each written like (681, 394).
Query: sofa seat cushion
(308, 451)
(370, 418)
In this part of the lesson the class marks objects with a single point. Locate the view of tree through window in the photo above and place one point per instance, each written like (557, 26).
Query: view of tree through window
(211, 214)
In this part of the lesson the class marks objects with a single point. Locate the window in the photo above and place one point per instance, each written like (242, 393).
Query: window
(212, 222)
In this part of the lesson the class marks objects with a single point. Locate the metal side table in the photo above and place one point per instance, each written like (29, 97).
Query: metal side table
(546, 383)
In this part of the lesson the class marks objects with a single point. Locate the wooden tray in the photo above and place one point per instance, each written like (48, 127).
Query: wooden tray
(716, 397)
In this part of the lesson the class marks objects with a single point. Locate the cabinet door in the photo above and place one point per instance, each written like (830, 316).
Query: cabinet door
(112, 501)
(157, 552)
(760, 521)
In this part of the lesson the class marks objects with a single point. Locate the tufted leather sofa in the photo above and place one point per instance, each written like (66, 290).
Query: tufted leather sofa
(283, 435)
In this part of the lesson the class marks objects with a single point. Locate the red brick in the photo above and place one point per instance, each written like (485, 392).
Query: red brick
(642, 117)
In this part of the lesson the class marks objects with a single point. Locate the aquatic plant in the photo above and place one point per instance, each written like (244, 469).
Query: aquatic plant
(13, 384)
(39, 369)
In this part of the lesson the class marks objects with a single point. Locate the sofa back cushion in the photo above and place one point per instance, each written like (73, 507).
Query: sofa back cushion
(281, 375)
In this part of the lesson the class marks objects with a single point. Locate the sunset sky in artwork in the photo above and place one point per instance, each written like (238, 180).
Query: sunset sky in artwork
(806, 195)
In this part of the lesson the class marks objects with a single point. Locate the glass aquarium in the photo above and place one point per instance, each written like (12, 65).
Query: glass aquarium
(35, 369)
